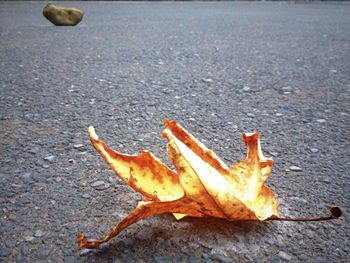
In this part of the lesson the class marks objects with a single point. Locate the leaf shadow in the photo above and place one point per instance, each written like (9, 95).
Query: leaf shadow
(164, 237)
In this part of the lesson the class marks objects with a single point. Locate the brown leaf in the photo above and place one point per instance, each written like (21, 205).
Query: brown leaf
(203, 185)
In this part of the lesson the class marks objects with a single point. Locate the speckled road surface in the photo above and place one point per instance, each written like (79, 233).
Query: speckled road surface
(219, 69)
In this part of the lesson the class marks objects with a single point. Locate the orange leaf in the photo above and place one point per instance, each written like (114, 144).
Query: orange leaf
(203, 185)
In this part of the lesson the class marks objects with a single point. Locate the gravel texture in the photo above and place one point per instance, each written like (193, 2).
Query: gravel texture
(219, 69)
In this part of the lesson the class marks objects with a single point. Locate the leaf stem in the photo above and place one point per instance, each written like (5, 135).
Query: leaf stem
(334, 213)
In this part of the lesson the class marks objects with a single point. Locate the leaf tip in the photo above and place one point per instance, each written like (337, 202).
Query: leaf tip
(92, 134)
(82, 241)
(166, 121)
(250, 136)
(168, 124)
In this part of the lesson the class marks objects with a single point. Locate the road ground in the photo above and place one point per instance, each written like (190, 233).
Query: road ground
(219, 69)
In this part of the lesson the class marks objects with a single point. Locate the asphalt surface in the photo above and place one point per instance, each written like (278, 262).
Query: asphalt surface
(219, 69)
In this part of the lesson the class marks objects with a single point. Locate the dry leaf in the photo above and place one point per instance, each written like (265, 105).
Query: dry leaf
(202, 186)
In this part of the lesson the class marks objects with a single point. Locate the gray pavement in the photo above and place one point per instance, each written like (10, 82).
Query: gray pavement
(219, 69)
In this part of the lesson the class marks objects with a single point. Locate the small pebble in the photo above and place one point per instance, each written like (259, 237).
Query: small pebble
(97, 183)
(83, 182)
(274, 154)
(71, 160)
(58, 179)
(246, 89)
(295, 168)
(321, 120)
(100, 185)
(29, 238)
(325, 179)
(251, 115)
(103, 187)
(287, 89)
(284, 256)
(63, 16)
(314, 150)
(34, 150)
(208, 80)
(77, 146)
(38, 233)
(50, 158)
(278, 114)
(86, 195)
(85, 252)
(112, 179)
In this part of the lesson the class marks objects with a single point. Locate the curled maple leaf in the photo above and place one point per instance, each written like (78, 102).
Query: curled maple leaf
(202, 186)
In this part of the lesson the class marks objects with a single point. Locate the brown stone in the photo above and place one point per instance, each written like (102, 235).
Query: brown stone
(63, 16)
